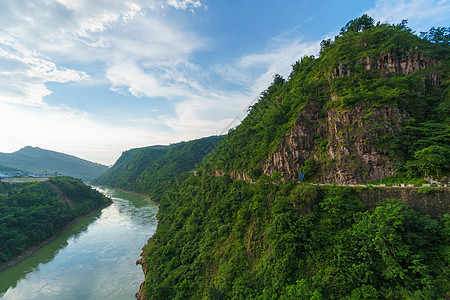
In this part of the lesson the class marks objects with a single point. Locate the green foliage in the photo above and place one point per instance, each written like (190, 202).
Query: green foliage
(32, 212)
(220, 238)
(439, 35)
(355, 70)
(425, 190)
(149, 170)
(359, 24)
(433, 159)
(309, 167)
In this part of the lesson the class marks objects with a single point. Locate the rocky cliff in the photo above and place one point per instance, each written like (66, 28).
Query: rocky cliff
(352, 152)
(347, 113)
(352, 139)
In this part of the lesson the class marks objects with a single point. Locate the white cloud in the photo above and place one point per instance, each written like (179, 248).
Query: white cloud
(25, 73)
(184, 4)
(421, 14)
(39, 36)
(277, 61)
(163, 79)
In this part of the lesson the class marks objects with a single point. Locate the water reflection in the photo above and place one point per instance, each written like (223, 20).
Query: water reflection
(10, 277)
(95, 259)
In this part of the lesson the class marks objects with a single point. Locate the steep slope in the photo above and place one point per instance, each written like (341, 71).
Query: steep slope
(149, 170)
(374, 104)
(34, 159)
(353, 112)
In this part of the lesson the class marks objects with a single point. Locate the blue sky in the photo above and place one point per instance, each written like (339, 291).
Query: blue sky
(93, 78)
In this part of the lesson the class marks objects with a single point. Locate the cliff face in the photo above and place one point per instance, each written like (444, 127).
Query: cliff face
(296, 147)
(352, 145)
(390, 63)
(352, 141)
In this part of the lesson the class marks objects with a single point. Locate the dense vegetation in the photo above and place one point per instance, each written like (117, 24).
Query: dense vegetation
(347, 74)
(220, 238)
(149, 170)
(34, 159)
(32, 212)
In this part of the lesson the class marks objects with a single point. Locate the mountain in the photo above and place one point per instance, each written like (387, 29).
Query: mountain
(149, 170)
(374, 106)
(34, 159)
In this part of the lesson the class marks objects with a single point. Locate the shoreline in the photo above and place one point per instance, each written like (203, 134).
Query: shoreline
(29, 252)
(132, 192)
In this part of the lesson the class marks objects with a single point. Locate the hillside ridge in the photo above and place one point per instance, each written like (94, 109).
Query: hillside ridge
(35, 159)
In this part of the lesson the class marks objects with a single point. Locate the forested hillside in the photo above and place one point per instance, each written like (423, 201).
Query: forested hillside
(220, 238)
(149, 170)
(32, 212)
(375, 104)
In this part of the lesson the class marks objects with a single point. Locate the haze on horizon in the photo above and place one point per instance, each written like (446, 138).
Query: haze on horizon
(95, 78)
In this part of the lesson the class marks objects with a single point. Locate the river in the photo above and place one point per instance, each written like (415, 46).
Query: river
(94, 259)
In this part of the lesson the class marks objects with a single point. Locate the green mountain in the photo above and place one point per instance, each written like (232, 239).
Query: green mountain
(8, 169)
(375, 103)
(373, 106)
(32, 212)
(149, 170)
(34, 159)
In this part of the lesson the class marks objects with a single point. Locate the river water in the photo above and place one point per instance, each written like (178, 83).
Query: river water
(94, 259)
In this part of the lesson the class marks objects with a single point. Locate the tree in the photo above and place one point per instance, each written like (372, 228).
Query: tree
(309, 167)
(439, 35)
(359, 24)
(433, 159)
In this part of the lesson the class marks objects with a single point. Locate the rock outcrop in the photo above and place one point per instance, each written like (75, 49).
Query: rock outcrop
(353, 141)
(350, 140)
(390, 63)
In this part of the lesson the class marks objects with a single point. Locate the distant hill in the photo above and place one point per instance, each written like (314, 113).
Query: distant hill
(34, 159)
(8, 169)
(149, 170)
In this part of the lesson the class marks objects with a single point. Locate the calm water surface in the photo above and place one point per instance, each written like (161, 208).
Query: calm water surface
(94, 259)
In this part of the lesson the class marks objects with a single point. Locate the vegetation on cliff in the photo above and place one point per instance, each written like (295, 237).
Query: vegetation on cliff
(150, 170)
(374, 103)
(32, 212)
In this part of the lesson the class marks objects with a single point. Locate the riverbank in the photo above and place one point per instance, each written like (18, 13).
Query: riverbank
(27, 253)
(131, 192)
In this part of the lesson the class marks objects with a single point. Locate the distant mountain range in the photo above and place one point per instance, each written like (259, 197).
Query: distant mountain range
(34, 159)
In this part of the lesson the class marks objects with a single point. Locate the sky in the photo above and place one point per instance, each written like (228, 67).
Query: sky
(93, 78)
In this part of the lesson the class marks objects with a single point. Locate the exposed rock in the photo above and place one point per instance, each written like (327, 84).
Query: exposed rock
(351, 143)
(354, 139)
(341, 71)
(296, 147)
(390, 63)
(140, 295)
(353, 150)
